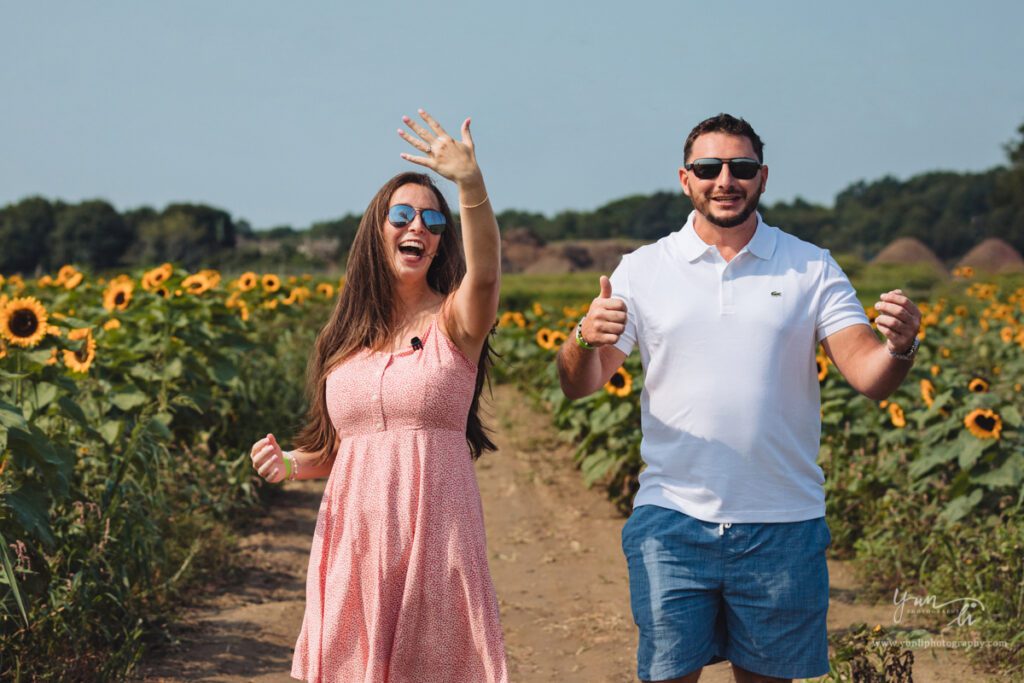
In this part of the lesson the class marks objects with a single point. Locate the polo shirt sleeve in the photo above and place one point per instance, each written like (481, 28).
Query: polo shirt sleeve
(838, 306)
(621, 290)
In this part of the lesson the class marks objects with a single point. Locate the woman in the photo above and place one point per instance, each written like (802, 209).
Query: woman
(398, 587)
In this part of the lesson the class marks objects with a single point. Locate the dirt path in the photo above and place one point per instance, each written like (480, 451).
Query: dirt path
(555, 558)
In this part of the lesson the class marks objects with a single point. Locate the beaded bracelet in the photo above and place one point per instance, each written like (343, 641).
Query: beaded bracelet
(579, 336)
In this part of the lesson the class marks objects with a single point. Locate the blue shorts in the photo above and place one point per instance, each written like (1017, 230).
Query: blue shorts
(702, 592)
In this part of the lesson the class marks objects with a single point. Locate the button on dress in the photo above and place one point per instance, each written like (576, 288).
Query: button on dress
(398, 587)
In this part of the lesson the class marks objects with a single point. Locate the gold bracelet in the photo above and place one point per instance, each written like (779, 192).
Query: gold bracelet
(463, 206)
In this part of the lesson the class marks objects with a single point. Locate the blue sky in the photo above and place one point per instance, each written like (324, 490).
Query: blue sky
(286, 112)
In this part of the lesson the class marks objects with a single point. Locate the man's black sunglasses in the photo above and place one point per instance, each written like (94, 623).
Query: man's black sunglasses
(743, 168)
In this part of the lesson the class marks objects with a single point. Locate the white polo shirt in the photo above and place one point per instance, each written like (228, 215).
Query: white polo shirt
(730, 409)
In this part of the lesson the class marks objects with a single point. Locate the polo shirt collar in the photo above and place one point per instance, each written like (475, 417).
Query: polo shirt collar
(761, 245)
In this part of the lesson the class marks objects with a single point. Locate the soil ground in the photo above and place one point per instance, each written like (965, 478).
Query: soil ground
(555, 557)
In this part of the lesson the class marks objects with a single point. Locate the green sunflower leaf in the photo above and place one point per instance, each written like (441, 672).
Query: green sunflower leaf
(127, 400)
(31, 506)
(1011, 416)
(959, 507)
(1009, 474)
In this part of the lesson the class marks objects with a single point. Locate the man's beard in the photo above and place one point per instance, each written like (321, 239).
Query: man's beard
(749, 207)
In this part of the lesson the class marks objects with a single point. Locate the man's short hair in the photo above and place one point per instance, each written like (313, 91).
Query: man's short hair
(724, 123)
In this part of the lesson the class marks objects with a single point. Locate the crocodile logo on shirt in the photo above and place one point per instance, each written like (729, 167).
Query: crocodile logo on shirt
(774, 293)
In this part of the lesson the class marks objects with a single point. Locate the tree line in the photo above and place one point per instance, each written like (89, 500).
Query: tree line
(948, 211)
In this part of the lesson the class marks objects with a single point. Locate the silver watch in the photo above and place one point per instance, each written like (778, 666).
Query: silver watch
(909, 353)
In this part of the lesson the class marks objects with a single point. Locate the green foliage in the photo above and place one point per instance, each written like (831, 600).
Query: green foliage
(116, 483)
(91, 232)
(25, 229)
(864, 655)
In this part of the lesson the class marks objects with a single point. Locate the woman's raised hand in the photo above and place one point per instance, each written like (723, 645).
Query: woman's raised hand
(268, 459)
(453, 159)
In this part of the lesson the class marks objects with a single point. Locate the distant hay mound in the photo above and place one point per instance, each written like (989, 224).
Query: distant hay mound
(993, 255)
(524, 252)
(908, 250)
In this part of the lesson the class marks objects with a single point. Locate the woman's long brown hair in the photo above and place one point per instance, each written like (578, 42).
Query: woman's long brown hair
(365, 316)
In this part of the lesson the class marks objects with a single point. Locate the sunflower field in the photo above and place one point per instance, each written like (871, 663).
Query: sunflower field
(924, 491)
(127, 408)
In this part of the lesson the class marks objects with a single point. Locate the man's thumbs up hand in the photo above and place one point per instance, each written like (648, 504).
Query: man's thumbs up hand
(606, 318)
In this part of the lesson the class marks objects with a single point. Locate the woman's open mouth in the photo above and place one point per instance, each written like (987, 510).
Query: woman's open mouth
(411, 251)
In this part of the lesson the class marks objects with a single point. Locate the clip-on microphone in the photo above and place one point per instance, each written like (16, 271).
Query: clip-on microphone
(417, 345)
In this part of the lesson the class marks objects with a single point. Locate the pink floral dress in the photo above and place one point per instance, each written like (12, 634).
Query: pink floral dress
(398, 588)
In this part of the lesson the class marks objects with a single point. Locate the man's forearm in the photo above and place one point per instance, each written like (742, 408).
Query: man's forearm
(579, 370)
(879, 374)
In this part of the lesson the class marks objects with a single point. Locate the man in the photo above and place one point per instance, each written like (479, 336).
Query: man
(726, 543)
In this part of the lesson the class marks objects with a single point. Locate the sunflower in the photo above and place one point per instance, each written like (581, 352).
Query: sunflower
(212, 276)
(3, 348)
(269, 304)
(538, 310)
(978, 385)
(73, 280)
(65, 272)
(544, 338)
(944, 352)
(935, 370)
(557, 338)
(243, 310)
(118, 294)
(297, 295)
(68, 276)
(326, 290)
(112, 324)
(871, 312)
(927, 392)
(822, 362)
(196, 284)
(45, 281)
(152, 279)
(16, 283)
(984, 423)
(53, 330)
(896, 415)
(1006, 334)
(23, 321)
(247, 281)
(620, 384)
(52, 360)
(292, 280)
(961, 311)
(271, 283)
(510, 318)
(80, 360)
